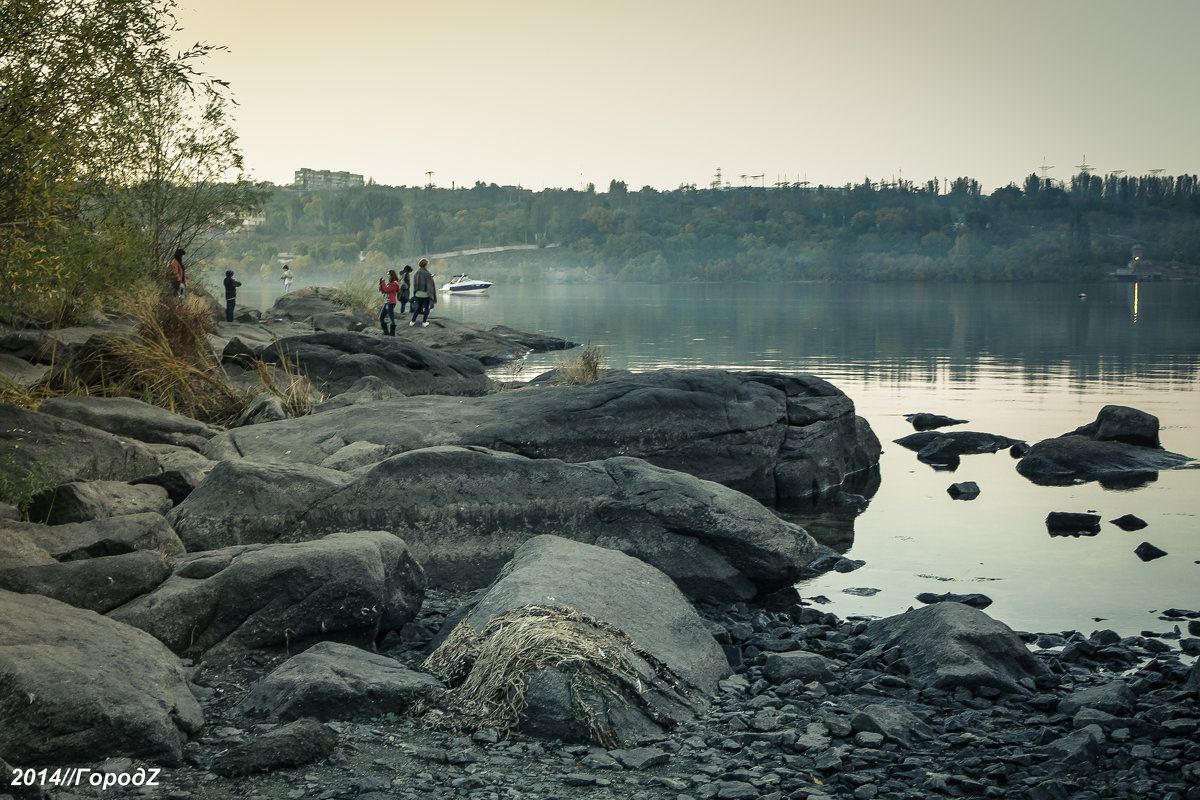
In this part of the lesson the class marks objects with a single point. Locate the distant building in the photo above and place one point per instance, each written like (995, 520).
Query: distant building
(310, 179)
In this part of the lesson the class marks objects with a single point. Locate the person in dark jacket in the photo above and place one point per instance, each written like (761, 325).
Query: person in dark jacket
(405, 287)
(424, 293)
(230, 294)
(178, 274)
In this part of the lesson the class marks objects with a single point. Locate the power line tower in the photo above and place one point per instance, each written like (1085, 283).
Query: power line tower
(429, 179)
(716, 182)
(1045, 168)
(1085, 168)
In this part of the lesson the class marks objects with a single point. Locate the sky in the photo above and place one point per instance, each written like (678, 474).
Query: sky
(661, 93)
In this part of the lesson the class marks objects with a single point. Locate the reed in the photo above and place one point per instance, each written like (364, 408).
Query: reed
(583, 369)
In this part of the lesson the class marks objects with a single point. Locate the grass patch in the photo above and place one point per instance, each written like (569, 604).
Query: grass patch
(19, 484)
(354, 295)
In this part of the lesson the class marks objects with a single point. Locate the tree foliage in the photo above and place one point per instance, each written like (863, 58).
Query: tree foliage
(114, 150)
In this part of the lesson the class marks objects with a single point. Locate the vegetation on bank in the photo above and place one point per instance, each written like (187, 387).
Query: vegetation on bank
(1038, 230)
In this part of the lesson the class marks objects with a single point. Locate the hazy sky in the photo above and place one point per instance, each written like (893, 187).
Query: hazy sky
(662, 93)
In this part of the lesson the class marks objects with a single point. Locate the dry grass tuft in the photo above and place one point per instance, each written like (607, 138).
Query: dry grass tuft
(489, 670)
(585, 368)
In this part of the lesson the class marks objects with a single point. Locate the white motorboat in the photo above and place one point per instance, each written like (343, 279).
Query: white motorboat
(462, 284)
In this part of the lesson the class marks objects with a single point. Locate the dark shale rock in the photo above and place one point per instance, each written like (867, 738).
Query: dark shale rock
(961, 443)
(967, 490)
(1148, 552)
(69, 450)
(82, 501)
(352, 587)
(97, 584)
(948, 645)
(926, 422)
(127, 417)
(337, 681)
(1122, 424)
(975, 600)
(714, 542)
(771, 436)
(79, 687)
(1072, 523)
(336, 361)
(294, 744)
(110, 536)
(1129, 522)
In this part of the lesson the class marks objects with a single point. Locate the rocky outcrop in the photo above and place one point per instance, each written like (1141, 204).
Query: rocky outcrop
(465, 511)
(78, 687)
(352, 587)
(332, 681)
(950, 645)
(1121, 445)
(336, 361)
(774, 437)
(80, 501)
(130, 418)
(102, 537)
(97, 584)
(68, 450)
(607, 650)
(244, 502)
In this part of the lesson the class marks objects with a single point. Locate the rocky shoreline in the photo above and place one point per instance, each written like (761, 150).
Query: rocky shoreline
(1110, 718)
(427, 589)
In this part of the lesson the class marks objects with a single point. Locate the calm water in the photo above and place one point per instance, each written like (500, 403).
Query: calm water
(1026, 361)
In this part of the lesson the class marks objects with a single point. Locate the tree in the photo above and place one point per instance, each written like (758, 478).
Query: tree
(88, 171)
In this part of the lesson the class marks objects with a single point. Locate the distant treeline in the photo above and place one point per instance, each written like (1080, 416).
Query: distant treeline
(1039, 230)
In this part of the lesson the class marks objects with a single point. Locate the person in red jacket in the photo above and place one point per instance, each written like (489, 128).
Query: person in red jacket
(390, 287)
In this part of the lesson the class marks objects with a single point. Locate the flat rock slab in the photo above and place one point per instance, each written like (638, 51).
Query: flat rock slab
(771, 436)
(69, 450)
(1075, 459)
(464, 511)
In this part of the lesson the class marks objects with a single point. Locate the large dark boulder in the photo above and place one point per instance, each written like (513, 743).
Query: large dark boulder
(80, 501)
(1122, 424)
(350, 587)
(1072, 458)
(952, 645)
(69, 450)
(1120, 447)
(76, 687)
(465, 511)
(774, 437)
(336, 361)
(246, 502)
(960, 443)
(127, 417)
(599, 646)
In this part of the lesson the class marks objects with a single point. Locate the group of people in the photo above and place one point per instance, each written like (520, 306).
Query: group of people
(405, 287)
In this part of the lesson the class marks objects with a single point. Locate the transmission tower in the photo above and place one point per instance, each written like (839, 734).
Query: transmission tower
(1085, 167)
(1045, 168)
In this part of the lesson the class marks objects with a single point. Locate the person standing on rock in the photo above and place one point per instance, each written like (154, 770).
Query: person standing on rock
(230, 294)
(286, 277)
(390, 287)
(424, 293)
(178, 275)
(405, 287)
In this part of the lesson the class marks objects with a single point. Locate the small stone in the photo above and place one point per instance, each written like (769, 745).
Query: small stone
(1148, 552)
(1129, 523)
(967, 490)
